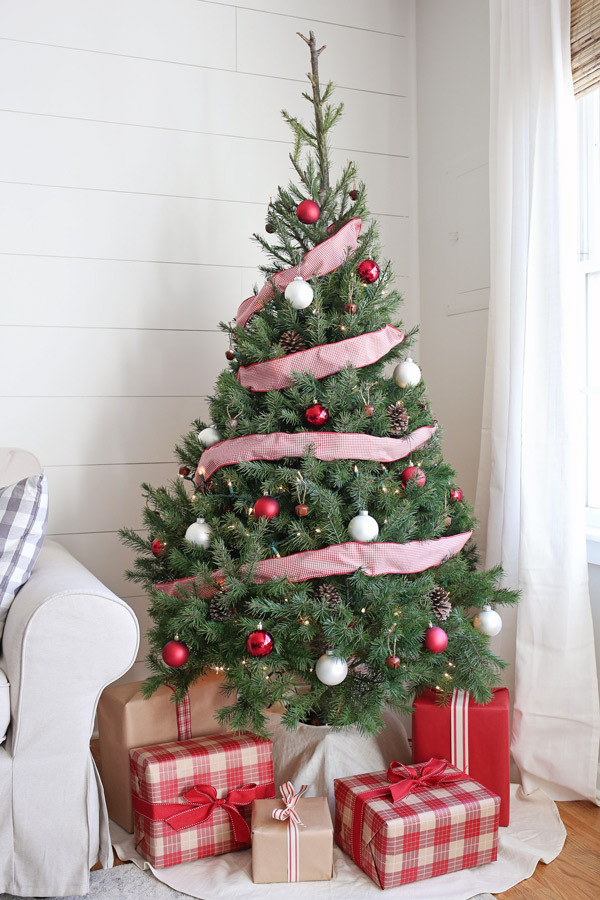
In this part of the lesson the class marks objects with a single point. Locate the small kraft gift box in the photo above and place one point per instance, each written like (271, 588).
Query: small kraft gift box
(415, 822)
(474, 738)
(292, 838)
(193, 798)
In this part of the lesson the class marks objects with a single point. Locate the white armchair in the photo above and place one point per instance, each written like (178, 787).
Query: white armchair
(66, 637)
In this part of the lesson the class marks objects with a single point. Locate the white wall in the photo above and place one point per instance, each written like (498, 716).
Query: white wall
(141, 140)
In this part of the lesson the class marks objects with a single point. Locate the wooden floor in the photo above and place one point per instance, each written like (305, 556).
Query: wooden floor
(574, 875)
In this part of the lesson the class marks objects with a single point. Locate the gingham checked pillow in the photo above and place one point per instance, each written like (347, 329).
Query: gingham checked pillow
(23, 516)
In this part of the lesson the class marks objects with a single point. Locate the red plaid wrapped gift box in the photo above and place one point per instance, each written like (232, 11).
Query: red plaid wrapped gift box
(193, 798)
(401, 827)
(474, 738)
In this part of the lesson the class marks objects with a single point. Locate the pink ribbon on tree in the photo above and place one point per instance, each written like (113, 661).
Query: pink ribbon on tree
(320, 361)
(401, 781)
(289, 814)
(323, 259)
(200, 802)
(326, 445)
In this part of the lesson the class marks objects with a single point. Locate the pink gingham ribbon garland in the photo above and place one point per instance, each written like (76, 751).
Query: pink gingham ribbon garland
(326, 257)
(320, 361)
(327, 446)
(459, 728)
(290, 797)
(342, 559)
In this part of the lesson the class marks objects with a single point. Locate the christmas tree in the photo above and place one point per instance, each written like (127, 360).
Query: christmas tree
(315, 548)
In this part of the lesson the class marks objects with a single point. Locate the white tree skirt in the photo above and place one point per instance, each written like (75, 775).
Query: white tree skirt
(315, 756)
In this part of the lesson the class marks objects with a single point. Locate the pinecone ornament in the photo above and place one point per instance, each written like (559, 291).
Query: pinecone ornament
(440, 603)
(291, 342)
(328, 594)
(399, 419)
(217, 611)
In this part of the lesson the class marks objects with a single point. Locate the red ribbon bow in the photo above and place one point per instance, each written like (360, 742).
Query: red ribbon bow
(200, 803)
(404, 779)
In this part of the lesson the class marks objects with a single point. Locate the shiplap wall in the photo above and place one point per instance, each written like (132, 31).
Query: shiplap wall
(141, 141)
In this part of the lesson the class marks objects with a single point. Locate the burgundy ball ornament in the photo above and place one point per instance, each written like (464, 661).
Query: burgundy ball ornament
(184, 471)
(266, 507)
(436, 639)
(353, 194)
(368, 410)
(259, 643)
(413, 473)
(316, 414)
(158, 547)
(456, 494)
(350, 308)
(308, 212)
(302, 510)
(368, 271)
(175, 654)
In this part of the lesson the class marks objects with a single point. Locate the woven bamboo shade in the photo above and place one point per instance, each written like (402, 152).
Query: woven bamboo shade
(585, 45)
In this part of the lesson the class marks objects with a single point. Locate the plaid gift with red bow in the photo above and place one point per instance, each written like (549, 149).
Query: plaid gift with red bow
(193, 798)
(415, 822)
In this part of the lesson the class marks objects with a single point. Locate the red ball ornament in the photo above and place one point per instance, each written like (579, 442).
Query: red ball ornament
(175, 654)
(368, 271)
(436, 639)
(302, 510)
(267, 507)
(456, 494)
(158, 547)
(260, 643)
(351, 308)
(308, 212)
(316, 414)
(413, 473)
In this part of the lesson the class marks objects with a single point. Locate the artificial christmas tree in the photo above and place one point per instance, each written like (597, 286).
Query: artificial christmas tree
(323, 521)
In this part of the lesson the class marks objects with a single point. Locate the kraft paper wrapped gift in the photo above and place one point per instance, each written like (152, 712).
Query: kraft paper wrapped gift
(472, 737)
(193, 799)
(415, 822)
(292, 839)
(127, 720)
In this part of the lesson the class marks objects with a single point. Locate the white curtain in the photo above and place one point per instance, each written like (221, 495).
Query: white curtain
(532, 459)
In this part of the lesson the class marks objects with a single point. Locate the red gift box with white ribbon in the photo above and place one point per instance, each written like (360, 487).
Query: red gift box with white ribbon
(474, 738)
(415, 822)
(193, 798)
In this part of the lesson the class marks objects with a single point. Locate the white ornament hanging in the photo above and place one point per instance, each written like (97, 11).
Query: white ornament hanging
(209, 436)
(199, 533)
(331, 669)
(407, 373)
(488, 622)
(299, 293)
(363, 527)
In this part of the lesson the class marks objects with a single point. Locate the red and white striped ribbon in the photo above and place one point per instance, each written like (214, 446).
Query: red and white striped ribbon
(327, 446)
(294, 823)
(320, 361)
(184, 717)
(459, 730)
(342, 559)
(326, 257)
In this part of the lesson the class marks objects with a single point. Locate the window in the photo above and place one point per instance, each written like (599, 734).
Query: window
(588, 112)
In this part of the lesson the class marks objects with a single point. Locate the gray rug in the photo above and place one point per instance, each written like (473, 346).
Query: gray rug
(130, 883)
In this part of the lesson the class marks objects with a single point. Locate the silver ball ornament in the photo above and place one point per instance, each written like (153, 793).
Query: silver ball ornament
(488, 622)
(299, 293)
(209, 436)
(199, 533)
(331, 669)
(407, 373)
(363, 527)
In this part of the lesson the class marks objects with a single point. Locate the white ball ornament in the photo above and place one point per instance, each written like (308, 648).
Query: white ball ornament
(299, 293)
(363, 527)
(199, 533)
(407, 373)
(331, 669)
(488, 622)
(209, 436)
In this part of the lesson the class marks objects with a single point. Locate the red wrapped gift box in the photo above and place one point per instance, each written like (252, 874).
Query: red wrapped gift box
(411, 823)
(193, 798)
(474, 738)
